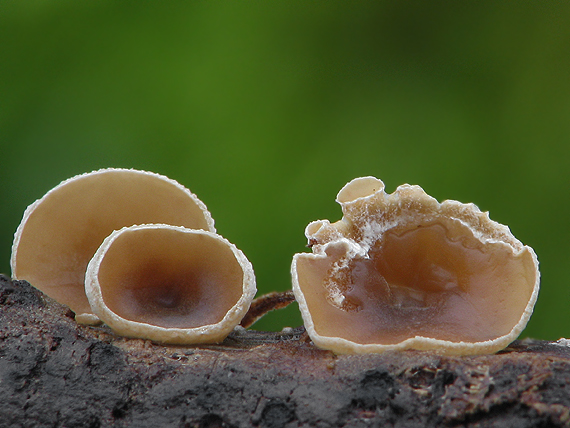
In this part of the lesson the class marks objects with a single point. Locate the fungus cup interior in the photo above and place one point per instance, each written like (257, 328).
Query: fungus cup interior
(402, 271)
(170, 279)
(61, 232)
(432, 280)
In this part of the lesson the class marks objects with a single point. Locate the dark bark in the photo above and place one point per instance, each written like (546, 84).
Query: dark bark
(55, 373)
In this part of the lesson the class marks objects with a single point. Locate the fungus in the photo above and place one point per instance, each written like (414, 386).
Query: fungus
(60, 232)
(402, 271)
(169, 284)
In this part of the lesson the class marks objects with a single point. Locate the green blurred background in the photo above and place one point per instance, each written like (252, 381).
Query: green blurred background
(266, 109)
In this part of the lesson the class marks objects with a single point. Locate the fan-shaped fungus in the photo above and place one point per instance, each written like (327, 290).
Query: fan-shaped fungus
(169, 284)
(404, 271)
(60, 232)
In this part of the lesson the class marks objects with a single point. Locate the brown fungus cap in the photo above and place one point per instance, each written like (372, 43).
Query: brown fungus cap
(404, 271)
(169, 284)
(60, 232)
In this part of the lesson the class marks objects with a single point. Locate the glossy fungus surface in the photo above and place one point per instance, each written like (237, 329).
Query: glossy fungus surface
(404, 271)
(170, 284)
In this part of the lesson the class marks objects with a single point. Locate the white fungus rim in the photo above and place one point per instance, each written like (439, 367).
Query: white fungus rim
(203, 334)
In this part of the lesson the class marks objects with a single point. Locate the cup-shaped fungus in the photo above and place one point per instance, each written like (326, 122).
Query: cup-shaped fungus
(402, 271)
(60, 232)
(169, 284)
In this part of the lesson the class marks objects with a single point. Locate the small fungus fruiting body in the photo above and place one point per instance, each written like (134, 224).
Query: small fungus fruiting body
(60, 232)
(403, 271)
(169, 284)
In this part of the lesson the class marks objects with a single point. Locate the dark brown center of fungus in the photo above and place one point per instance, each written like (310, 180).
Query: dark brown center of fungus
(170, 279)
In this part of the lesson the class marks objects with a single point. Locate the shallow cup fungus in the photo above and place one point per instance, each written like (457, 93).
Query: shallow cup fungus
(60, 232)
(404, 271)
(169, 284)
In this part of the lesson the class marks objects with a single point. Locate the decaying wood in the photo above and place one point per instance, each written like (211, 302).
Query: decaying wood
(55, 373)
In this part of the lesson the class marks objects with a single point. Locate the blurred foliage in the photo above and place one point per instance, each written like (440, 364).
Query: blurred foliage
(266, 109)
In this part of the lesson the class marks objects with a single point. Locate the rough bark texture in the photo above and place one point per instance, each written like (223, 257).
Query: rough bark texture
(55, 373)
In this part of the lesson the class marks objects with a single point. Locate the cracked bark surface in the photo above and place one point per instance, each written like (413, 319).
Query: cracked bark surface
(55, 373)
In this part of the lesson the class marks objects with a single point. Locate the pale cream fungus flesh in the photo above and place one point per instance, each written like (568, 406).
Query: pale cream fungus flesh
(398, 270)
(137, 251)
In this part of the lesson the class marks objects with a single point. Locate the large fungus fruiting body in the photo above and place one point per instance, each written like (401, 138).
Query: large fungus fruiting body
(169, 284)
(403, 271)
(60, 232)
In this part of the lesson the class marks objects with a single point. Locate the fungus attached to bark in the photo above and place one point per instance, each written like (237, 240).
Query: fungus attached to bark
(169, 284)
(60, 232)
(404, 271)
